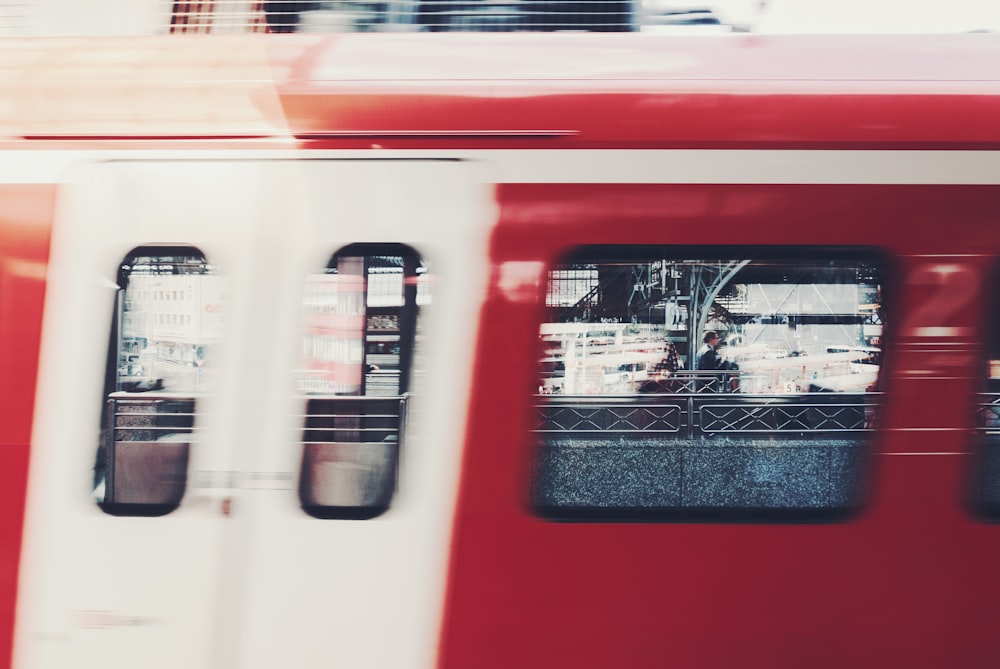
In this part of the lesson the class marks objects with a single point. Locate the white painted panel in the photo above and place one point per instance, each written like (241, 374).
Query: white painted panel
(266, 585)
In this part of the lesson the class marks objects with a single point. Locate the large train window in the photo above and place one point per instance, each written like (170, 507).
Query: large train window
(693, 383)
(168, 318)
(986, 476)
(359, 347)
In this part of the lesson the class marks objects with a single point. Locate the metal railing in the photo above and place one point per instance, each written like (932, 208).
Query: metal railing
(203, 17)
(356, 419)
(286, 16)
(350, 450)
(696, 381)
(150, 417)
(693, 415)
(988, 413)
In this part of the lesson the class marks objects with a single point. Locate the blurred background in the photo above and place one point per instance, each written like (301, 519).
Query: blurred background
(25, 18)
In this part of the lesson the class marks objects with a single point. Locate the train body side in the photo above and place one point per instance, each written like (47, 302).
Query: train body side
(878, 588)
(494, 171)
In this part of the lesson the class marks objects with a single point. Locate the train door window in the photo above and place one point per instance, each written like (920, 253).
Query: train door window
(707, 383)
(167, 321)
(360, 362)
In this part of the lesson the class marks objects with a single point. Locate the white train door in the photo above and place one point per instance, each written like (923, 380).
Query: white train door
(263, 542)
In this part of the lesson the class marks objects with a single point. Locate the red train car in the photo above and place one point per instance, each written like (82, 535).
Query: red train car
(385, 351)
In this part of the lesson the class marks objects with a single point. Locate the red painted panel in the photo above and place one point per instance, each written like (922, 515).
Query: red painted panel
(909, 582)
(25, 223)
(656, 115)
(641, 92)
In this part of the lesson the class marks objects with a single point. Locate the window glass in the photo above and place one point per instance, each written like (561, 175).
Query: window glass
(708, 383)
(986, 490)
(361, 339)
(167, 323)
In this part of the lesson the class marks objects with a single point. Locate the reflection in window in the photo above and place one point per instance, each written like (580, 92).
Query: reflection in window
(718, 384)
(168, 322)
(359, 345)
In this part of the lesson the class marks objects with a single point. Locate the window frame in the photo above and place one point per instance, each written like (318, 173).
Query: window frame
(883, 266)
